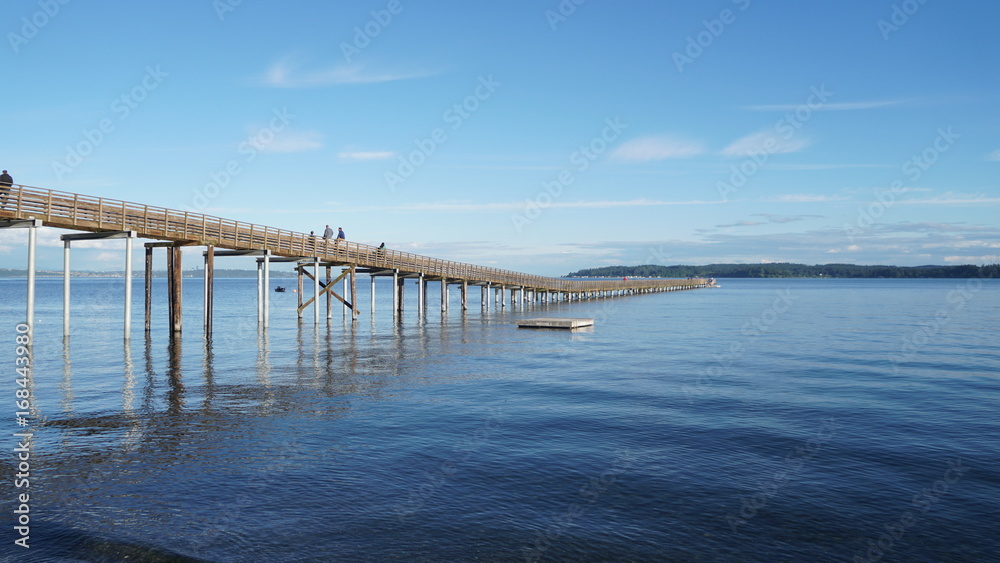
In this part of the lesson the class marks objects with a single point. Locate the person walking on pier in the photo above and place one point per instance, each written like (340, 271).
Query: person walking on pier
(5, 183)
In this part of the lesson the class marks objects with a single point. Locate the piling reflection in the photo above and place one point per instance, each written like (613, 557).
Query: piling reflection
(66, 385)
(164, 398)
(128, 384)
(147, 393)
(349, 346)
(208, 366)
(175, 380)
(190, 428)
(134, 429)
(263, 365)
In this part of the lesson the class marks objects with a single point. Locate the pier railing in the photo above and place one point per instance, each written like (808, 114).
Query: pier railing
(82, 212)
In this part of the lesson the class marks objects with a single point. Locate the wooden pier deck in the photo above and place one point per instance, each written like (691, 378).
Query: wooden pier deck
(33, 206)
(66, 210)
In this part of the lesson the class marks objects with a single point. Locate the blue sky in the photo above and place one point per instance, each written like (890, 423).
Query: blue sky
(539, 136)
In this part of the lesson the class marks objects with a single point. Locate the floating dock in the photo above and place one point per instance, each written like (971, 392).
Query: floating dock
(555, 322)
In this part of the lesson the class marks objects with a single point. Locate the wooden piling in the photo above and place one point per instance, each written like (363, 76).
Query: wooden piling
(300, 271)
(397, 293)
(175, 287)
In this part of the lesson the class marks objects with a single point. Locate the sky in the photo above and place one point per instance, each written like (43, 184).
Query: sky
(543, 136)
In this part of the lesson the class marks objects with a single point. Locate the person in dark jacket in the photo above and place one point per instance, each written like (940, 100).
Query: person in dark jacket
(5, 183)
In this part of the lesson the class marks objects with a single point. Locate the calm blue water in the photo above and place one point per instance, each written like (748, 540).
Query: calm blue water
(767, 420)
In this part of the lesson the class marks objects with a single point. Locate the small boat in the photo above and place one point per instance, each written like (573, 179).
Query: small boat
(279, 289)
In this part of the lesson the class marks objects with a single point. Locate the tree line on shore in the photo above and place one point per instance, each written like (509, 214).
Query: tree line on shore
(788, 270)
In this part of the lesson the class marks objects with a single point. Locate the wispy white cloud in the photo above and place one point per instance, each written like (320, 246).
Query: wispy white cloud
(842, 106)
(453, 207)
(981, 259)
(292, 142)
(366, 155)
(630, 203)
(884, 243)
(976, 243)
(767, 141)
(519, 205)
(742, 224)
(772, 218)
(107, 257)
(660, 147)
(953, 198)
(826, 166)
(994, 156)
(469, 207)
(807, 198)
(870, 192)
(287, 74)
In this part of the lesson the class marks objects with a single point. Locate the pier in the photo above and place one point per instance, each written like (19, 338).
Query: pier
(314, 259)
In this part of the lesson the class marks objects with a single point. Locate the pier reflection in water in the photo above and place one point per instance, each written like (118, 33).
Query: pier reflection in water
(461, 437)
(194, 435)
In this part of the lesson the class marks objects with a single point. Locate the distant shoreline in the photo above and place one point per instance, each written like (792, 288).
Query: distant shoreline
(789, 270)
